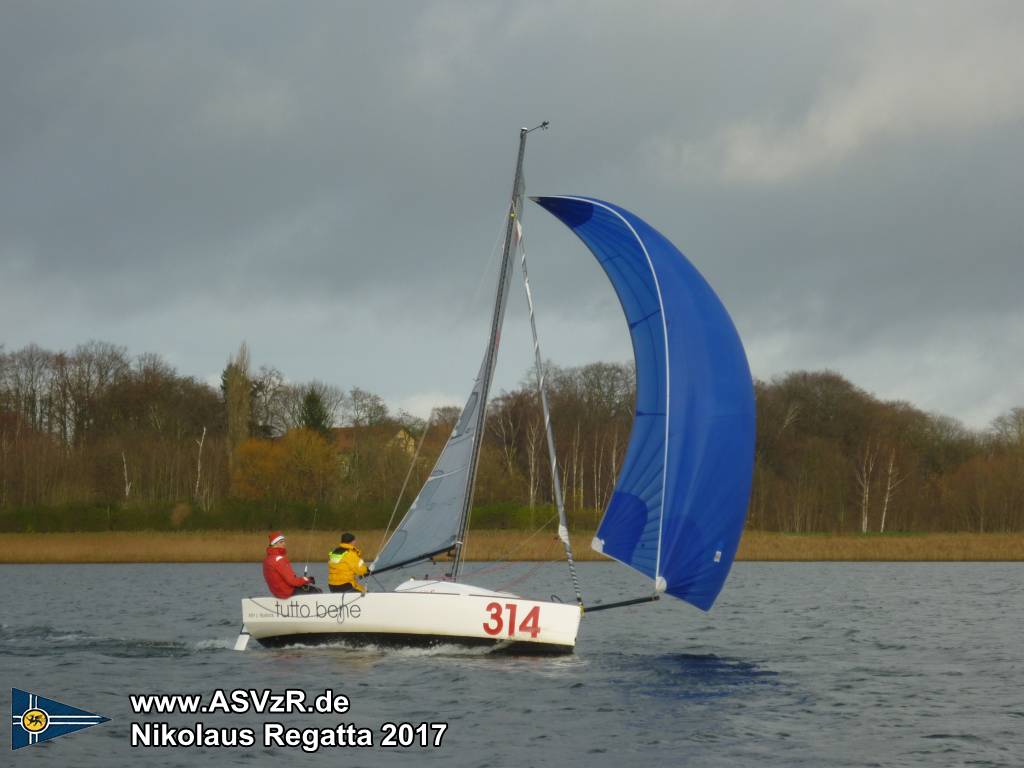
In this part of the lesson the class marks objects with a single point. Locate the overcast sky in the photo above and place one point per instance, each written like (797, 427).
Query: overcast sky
(327, 181)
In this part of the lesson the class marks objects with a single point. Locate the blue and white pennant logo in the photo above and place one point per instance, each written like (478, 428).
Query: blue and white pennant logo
(35, 719)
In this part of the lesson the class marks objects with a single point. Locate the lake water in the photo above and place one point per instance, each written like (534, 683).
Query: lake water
(797, 665)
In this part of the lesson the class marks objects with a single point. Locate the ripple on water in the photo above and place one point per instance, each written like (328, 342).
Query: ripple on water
(43, 640)
(787, 670)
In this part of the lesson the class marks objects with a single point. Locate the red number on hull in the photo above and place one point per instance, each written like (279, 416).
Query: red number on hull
(511, 618)
(495, 610)
(530, 624)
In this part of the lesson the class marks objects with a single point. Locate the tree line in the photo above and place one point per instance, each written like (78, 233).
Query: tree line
(94, 437)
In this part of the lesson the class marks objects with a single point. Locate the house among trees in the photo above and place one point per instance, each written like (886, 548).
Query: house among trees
(346, 439)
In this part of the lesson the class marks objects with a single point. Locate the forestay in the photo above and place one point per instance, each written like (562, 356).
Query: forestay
(680, 503)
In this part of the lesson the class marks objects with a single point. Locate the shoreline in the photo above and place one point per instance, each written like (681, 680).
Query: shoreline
(496, 545)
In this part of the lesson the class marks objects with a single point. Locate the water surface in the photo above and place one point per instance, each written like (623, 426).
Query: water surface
(797, 665)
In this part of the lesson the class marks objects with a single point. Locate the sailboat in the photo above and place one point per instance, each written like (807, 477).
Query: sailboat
(680, 500)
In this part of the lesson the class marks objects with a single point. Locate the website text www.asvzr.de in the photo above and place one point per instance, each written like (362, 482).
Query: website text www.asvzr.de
(150, 733)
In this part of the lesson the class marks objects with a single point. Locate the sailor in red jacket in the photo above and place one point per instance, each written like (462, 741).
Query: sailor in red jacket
(277, 570)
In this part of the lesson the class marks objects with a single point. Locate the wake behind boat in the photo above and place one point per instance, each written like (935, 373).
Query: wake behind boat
(679, 503)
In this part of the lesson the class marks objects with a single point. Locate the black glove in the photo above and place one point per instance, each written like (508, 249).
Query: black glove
(310, 580)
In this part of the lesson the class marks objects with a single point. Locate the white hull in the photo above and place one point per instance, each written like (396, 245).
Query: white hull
(417, 613)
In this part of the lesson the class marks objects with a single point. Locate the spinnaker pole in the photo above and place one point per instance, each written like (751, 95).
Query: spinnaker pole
(487, 373)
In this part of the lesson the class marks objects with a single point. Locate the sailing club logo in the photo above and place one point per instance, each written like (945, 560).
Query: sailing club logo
(35, 719)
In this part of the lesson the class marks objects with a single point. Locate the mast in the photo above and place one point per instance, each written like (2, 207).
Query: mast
(487, 371)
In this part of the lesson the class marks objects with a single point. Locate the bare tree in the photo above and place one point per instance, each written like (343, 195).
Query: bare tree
(864, 474)
(28, 373)
(199, 462)
(364, 409)
(333, 398)
(336, 403)
(504, 425)
(127, 482)
(792, 412)
(1009, 428)
(270, 403)
(613, 462)
(447, 415)
(95, 367)
(893, 480)
(577, 471)
(532, 446)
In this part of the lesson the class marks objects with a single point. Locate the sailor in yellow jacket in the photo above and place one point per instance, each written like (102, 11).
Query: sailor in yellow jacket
(345, 566)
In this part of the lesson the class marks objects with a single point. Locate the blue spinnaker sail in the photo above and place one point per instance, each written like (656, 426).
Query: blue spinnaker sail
(680, 503)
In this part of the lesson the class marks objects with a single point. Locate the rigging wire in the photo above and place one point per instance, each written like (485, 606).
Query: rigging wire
(508, 555)
(401, 493)
(491, 262)
(404, 483)
(529, 573)
(556, 487)
(309, 542)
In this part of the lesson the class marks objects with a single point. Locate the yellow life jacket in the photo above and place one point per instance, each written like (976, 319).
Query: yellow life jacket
(345, 565)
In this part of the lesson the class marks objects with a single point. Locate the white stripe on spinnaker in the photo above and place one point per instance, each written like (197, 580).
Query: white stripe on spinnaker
(668, 388)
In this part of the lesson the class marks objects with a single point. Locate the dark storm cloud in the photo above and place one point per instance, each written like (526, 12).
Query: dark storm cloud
(327, 181)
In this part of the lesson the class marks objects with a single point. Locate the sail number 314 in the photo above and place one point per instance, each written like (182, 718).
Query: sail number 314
(503, 618)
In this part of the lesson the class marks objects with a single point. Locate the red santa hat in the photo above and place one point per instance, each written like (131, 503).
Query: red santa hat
(276, 537)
